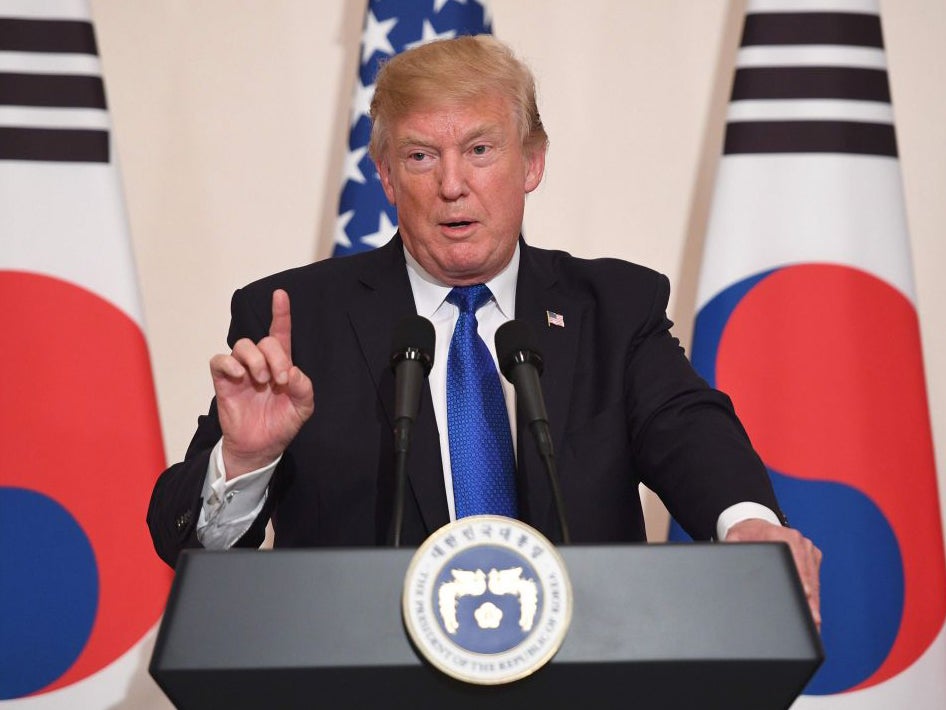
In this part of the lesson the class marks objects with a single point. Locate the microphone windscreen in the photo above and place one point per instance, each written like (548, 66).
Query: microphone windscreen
(516, 339)
(413, 332)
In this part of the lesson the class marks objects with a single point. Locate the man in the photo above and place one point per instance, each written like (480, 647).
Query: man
(458, 143)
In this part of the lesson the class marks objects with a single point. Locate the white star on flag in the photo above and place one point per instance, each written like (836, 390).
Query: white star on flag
(375, 38)
(438, 4)
(352, 171)
(385, 231)
(361, 102)
(429, 35)
(341, 239)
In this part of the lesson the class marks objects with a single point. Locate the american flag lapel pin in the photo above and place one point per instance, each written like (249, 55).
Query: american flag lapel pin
(554, 318)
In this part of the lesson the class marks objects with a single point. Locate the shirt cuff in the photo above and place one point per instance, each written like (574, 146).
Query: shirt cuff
(230, 507)
(743, 511)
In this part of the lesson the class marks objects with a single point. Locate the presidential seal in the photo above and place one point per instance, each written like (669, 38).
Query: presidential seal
(487, 600)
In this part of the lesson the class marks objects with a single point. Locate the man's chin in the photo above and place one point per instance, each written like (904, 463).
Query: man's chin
(466, 272)
(460, 261)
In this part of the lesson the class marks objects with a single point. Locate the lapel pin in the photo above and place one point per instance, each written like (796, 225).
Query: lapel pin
(554, 318)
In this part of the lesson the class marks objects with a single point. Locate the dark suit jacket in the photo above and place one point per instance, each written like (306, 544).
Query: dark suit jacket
(624, 404)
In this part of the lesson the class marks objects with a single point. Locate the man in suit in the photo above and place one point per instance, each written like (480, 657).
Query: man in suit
(300, 429)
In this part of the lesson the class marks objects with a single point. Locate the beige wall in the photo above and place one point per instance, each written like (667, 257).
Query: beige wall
(231, 117)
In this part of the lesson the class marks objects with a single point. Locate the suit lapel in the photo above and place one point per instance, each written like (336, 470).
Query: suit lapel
(539, 291)
(385, 299)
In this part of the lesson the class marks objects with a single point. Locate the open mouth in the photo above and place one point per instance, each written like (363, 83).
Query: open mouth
(454, 225)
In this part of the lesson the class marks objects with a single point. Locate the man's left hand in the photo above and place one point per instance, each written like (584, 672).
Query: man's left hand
(807, 556)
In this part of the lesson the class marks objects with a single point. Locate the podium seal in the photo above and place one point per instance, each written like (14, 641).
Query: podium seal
(487, 600)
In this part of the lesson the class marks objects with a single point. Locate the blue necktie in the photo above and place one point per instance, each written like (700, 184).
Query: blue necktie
(481, 456)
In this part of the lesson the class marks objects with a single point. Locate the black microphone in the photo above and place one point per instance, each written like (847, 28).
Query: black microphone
(521, 364)
(412, 355)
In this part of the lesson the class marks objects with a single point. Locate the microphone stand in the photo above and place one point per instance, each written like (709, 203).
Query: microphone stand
(402, 443)
(540, 431)
(522, 366)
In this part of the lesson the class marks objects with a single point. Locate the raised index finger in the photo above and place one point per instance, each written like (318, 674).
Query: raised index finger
(281, 326)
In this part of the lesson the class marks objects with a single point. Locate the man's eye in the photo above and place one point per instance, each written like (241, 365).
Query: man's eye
(417, 156)
(480, 150)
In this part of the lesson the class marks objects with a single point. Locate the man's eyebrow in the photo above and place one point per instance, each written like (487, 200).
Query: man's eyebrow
(488, 130)
(413, 141)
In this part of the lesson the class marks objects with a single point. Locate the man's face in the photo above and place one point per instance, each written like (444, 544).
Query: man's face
(459, 176)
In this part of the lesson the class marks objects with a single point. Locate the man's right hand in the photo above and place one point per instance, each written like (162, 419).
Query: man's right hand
(262, 398)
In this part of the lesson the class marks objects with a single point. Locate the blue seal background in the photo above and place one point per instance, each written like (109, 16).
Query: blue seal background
(470, 636)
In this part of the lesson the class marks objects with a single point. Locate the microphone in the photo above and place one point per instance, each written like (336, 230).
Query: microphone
(412, 348)
(521, 364)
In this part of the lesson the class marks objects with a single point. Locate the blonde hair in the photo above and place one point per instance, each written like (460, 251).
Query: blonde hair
(462, 70)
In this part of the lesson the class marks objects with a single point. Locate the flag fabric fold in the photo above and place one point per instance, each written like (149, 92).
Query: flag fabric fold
(807, 319)
(80, 442)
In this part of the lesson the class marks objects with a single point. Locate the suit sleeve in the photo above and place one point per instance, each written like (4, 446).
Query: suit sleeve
(689, 445)
(176, 499)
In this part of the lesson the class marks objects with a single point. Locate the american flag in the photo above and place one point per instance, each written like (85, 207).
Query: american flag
(365, 219)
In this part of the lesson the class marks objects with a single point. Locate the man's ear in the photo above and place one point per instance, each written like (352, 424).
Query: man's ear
(383, 167)
(535, 166)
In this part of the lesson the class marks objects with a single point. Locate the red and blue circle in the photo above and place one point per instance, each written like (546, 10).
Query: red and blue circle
(824, 367)
(81, 447)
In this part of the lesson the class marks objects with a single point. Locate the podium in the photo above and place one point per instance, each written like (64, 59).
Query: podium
(654, 626)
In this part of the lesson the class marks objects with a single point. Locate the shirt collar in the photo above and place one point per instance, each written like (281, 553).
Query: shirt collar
(429, 293)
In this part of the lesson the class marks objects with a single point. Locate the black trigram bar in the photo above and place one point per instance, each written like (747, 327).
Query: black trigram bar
(811, 83)
(810, 137)
(54, 144)
(73, 36)
(57, 90)
(847, 28)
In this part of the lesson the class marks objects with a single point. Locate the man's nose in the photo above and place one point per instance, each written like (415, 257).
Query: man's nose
(453, 182)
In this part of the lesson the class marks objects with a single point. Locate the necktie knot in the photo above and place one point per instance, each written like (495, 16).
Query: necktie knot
(469, 298)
